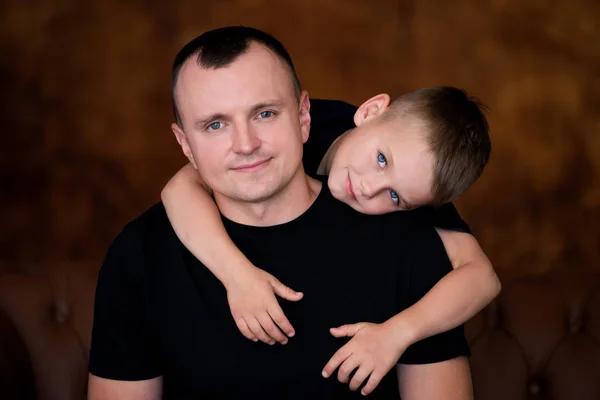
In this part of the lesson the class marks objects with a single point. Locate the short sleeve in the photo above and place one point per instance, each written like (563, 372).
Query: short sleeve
(445, 217)
(121, 347)
(429, 263)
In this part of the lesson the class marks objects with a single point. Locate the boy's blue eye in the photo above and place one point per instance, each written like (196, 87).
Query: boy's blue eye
(381, 160)
(214, 126)
(394, 196)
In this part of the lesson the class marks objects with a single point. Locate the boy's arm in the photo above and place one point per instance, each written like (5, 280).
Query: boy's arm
(197, 222)
(250, 291)
(443, 300)
(447, 380)
(458, 296)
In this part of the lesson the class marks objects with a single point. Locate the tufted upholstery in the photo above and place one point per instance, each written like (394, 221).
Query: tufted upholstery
(52, 310)
(539, 340)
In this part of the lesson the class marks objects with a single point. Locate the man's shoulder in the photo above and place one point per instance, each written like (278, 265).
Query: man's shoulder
(410, 233)
(154, 217)
(401, 222)
(146, 227)
(326, 108)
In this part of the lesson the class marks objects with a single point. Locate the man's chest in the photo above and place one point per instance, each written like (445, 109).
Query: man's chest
(203, 349)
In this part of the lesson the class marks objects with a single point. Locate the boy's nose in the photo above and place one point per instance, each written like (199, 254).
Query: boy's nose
(371, 186)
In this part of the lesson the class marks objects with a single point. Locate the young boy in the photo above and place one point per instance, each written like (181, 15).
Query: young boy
(424, 149)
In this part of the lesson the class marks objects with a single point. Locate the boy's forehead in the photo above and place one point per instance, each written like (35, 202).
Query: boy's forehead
(403, 127)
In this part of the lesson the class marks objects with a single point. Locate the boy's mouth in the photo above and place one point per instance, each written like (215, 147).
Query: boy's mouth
(350, 188)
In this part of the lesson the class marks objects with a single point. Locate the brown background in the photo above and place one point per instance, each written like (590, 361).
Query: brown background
(85, 115)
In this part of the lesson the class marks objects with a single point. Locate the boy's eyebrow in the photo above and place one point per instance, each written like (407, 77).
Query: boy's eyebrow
(391, 161)
(403, 201)
(406, 203)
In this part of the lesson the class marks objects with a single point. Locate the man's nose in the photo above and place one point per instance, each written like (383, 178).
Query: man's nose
(245, 141)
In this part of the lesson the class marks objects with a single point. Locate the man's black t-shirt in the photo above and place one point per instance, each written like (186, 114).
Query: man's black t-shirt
(160, 312)
(330, 119)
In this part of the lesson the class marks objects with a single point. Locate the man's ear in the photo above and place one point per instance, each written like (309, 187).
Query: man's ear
(185, 146)
(304, 115)
(371, 108)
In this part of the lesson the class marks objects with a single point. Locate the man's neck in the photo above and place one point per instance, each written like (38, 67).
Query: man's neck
(285, 206)
(325, 165)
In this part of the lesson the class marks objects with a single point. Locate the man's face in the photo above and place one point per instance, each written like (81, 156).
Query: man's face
(383, 166)
(244, 129)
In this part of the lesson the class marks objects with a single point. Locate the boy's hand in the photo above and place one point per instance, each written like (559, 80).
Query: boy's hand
(373, 350)
(254, 307)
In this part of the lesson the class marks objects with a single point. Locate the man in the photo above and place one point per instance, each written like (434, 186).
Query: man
(162, 325)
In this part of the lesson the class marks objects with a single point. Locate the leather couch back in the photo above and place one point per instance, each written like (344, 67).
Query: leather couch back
(540, 339)
(52, 311)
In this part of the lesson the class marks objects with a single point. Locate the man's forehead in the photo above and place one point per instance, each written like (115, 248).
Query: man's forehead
(256, 61)
(255, 76)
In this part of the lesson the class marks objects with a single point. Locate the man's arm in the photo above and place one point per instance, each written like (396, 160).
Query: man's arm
(436, 367)
(123, 355)
(447, 380)
(101, 389)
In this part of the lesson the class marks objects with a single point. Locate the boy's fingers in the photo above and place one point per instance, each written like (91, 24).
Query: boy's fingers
(285, 292)
(336, 360)
(371, 384)
(347, 330)
(243, 327)
(258, 331)
(267, 324)
(359, 377)
(280, 319)
(347, 367)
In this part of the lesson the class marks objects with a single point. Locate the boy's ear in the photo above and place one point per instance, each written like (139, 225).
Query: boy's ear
(185, 146)
(371, 108)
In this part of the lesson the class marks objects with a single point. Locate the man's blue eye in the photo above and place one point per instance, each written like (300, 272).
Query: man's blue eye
(381, 160)
(214, 126)
(266, 114)
(394, 196)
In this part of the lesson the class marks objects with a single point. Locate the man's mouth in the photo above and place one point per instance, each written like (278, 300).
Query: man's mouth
(252, 167)
(350, 188)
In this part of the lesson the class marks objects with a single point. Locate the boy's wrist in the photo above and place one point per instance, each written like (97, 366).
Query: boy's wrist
(233, 272)
(404, 329)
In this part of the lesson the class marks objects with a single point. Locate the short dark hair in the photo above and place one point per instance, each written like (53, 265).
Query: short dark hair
(457, 134)
(220, 47)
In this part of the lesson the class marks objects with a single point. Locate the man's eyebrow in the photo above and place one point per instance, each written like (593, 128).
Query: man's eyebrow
(203, 121)
(266, 104)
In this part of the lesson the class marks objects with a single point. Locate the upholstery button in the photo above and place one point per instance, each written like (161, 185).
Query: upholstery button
(575, 324)
(61, 311)
(534, 388)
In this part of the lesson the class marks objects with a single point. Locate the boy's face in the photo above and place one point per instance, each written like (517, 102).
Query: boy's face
(383, 166)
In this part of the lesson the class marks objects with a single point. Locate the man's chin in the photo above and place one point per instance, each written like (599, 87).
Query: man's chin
(254, 194)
